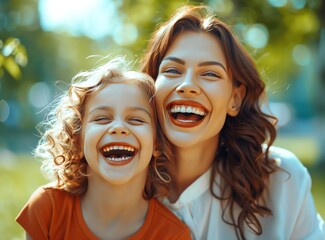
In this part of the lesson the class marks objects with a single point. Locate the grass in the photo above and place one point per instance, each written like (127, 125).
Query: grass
(18, 179)
(21, 177)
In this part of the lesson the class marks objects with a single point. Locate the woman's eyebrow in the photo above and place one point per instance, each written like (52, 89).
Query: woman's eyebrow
(201, 64)
(174, 59)
(207, 63)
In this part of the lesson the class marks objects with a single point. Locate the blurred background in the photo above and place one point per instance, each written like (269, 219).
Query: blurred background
(44, 43)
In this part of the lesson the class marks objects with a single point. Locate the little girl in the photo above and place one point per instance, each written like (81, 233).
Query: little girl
(103, 147)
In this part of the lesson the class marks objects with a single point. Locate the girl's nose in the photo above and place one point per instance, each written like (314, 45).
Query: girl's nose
(118, 129)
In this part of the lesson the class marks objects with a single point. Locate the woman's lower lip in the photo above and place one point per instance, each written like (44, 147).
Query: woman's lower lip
(184, 124)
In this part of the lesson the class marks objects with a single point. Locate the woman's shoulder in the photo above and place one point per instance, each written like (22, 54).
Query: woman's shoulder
(287, 161)
(291, 173)
(289, 197)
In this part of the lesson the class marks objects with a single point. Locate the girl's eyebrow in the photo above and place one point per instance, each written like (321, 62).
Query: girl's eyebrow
(106, 108)
(140, 109)
(201, 64)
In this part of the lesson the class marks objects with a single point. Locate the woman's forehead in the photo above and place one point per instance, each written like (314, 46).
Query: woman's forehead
(196, 46)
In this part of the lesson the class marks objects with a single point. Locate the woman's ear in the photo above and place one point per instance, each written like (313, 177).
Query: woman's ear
(236, 100)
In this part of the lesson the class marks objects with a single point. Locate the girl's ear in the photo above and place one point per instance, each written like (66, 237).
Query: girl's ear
(81, 154)
(236, 100)
(80, 143)
(156, 151)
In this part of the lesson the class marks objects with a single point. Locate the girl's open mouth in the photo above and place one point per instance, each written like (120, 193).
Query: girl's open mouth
(118, 153)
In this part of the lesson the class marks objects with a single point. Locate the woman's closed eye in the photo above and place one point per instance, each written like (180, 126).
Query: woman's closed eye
(211, 74)
(172, 71)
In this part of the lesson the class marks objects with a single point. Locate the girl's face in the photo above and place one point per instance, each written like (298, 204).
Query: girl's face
(118, 133)
(194, 90)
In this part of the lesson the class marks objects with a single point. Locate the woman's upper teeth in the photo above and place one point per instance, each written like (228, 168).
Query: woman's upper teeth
(187, 109)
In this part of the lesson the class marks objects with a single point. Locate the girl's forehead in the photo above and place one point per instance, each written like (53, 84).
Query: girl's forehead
(109, 83)
(121, 94)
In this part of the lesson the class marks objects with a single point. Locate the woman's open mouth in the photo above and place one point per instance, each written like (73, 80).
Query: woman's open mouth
(118, 153)
(186, 114)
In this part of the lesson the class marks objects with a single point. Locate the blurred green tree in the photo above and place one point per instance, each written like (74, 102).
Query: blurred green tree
(270, 32)
(12, 56)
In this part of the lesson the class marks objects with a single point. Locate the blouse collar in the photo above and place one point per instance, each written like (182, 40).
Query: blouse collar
(194, 191)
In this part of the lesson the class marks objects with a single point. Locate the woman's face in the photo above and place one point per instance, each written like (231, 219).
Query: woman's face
(194, 90)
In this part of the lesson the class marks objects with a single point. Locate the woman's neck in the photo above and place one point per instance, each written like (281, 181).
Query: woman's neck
(190, 164)
(114, 211)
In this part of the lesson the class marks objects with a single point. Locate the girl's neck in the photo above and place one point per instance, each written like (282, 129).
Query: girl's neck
(114, 211)
(190, 164)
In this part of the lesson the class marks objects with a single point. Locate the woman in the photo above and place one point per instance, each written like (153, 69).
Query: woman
(229, 182)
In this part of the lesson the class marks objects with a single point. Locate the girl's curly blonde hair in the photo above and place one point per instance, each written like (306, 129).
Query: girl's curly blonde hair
(60, 148)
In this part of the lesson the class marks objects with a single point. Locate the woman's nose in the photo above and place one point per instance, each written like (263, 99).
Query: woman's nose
(118, 128)
(189, 86)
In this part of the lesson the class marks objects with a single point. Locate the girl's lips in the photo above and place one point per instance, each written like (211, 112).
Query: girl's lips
(118, 153)
(119, 163)
(186, 114)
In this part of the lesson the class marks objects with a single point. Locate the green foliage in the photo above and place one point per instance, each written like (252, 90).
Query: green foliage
(12, 56)
(288, 28)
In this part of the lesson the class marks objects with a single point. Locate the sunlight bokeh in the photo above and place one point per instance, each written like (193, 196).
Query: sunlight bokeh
(79, 17)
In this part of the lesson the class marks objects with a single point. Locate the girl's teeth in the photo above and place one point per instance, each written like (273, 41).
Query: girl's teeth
(119, 159)
(107, 149)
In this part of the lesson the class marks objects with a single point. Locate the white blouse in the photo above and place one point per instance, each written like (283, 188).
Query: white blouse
(289, 198)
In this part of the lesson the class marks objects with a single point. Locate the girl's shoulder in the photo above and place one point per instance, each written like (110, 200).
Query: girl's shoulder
(49, 194)
(51, 212)
(50, 187)
(161, 223)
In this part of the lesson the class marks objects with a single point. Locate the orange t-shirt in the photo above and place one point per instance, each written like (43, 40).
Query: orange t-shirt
(52, 213)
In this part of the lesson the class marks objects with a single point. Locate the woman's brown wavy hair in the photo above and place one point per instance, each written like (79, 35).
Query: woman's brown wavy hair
(59, 146)
(242, 163)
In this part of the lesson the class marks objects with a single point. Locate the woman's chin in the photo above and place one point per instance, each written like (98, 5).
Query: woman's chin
(181, 139)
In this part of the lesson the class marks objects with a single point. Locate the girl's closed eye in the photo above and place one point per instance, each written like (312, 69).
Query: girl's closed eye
(102, 120)
(137, 121)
